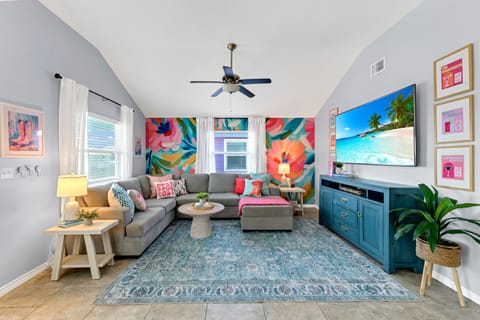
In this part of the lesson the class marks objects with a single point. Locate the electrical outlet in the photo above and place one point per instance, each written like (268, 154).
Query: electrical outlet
(7, 173)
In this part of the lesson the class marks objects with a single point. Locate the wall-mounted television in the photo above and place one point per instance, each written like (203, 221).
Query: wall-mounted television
(380, 132)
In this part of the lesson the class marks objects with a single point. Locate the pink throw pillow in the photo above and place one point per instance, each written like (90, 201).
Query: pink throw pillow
(165, 189)
(137, 199)
(153, 179)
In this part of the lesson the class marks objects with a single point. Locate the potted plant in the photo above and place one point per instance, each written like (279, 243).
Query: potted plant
(202, 197)
(338, 167)
(87, 216)
(430, 222)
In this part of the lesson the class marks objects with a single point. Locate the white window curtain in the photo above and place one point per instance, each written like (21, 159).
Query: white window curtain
(72, 120)
(257, 152)
(205, 145)
(126, 136)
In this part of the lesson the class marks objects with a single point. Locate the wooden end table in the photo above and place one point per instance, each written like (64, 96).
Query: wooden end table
(91, 260)
(295, 190)
(201, 224)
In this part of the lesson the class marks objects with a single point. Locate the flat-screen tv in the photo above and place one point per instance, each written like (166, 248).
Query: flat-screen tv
(380, 132)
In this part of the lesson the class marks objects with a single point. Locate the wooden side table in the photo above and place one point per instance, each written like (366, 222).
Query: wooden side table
(91, 260)
(299, 192)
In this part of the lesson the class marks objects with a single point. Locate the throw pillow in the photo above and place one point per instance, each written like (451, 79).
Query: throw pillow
(253, 188)
(118, 197)
(239, 185)
(153, 179)
(165, 189)
(179, 186)
(137, 199)
(266, 178)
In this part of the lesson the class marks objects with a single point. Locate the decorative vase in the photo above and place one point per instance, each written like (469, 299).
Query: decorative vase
(202, 201)
(447, 254)
(338, 170)
(87, 221)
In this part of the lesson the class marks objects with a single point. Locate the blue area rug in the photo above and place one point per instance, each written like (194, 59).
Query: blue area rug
(308, 264)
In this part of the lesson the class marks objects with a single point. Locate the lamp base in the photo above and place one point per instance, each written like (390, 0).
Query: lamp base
(284, 181)
(70, 210)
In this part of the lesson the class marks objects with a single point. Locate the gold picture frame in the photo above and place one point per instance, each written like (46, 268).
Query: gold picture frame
(454, 120)
(453, 73)
(454, 167)
(331, 118)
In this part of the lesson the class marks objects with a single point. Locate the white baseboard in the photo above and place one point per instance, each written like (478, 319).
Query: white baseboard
(311, 206)
(23, 278)
(451, 284)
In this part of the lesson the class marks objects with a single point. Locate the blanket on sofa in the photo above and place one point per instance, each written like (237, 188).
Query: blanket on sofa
(263, 201)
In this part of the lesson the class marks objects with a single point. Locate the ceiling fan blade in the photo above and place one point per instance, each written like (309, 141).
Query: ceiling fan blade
(206, 81)
(246, 92)
(255, 81)
(216, 93)
(228, 72)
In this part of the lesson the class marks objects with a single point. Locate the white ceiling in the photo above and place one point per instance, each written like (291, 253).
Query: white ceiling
(156, 47)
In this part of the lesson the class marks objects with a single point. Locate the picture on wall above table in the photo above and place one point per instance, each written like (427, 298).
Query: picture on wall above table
(453, 73)
(454, 120)
(331, 118)
(332, 141)
(138, 151)
(454, 167)
(21, 131)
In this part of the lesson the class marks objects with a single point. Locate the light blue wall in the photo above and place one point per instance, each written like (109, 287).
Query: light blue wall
(434, 29)
(34, 45)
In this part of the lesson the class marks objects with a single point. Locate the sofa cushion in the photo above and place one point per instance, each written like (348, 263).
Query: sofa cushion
(130, 184)
(118, 197)
(137, 199)
(253, 188)
(145, 185)
(197, 182)
(168, 203)
(142, 222)
(96, 197)
(221, 182)
(266, 178)
(229, 199)
(186, 198)
(153, 187)
(165, 189)
(239, 185)
(180, 187)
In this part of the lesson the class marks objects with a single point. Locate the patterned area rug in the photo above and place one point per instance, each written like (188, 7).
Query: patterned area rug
(308, 264)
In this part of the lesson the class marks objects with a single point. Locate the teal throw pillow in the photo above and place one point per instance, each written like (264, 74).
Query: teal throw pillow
(118, 197)
(266, 178)
(253, 188)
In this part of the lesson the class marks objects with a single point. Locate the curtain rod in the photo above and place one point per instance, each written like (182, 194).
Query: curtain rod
(59, 76)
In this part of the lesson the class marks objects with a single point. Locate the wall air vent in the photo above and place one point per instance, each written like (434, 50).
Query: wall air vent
(377, 67)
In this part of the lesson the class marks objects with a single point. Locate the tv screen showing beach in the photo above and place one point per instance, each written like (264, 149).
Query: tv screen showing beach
(379, 132)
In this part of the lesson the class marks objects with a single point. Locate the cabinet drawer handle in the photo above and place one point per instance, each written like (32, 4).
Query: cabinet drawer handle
(344, 200)
(344, 229)
(344, 214)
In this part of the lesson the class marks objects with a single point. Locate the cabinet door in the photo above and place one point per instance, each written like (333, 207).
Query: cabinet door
(326, 215)
(371, 228)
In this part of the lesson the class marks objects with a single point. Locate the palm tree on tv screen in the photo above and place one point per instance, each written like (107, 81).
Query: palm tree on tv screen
(400, 111)
(374, 121)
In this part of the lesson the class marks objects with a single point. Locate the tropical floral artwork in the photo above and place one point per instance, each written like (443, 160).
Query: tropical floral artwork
(171, 145)
(231, 124)
(293, 140)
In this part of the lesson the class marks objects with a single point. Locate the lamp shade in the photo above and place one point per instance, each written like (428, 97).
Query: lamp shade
(71, 186)
(284, 168)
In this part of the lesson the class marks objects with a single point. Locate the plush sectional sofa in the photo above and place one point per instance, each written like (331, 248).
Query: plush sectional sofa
(133, 235)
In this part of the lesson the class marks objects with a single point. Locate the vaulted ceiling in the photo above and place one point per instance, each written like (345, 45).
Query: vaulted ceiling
(156, 47)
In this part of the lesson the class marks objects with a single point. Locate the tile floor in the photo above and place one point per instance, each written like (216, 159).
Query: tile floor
(72, 296)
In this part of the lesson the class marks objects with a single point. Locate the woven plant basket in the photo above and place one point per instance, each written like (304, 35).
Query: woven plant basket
(445, 255)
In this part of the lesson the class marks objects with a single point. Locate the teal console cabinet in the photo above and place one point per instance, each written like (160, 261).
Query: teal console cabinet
(359, 211)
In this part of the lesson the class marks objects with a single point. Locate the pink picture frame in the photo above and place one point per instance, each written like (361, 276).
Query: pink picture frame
(454, 167)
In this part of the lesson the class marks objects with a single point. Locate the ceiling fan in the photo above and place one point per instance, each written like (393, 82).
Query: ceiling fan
(232, 82)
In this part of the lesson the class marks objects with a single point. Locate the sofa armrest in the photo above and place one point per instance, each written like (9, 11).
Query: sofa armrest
(274, 190)
(122, 214)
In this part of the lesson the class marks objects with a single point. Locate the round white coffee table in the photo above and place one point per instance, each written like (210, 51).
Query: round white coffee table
(201, 224)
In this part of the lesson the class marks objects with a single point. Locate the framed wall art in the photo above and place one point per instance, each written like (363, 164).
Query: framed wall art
(21, 131)
(454, 167)
(331, 118)
(138, 147)
(454, 120)
(453, 73)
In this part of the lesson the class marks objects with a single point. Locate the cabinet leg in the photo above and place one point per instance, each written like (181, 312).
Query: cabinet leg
(459, 287)
(91, 253)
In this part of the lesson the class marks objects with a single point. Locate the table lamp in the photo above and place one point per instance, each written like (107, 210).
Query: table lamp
(71, 186)
(284, 168)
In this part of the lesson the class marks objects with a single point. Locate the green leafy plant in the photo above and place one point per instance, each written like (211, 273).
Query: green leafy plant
(338, 164)
(83, 214)
(430, 219)
(202, 195)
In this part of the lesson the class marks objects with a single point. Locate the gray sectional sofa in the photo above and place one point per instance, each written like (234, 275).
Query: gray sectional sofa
(132, 236)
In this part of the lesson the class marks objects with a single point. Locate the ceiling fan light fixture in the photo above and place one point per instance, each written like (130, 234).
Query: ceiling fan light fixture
(231, 87)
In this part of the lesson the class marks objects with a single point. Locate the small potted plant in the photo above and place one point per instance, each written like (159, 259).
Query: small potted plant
(87, 216)
(202, 197)
(430, 222)
(338, 167)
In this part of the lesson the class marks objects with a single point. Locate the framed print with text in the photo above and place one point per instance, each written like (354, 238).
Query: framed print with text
(331, 118)
(454, 167)
(21, 131)
(454, 120)
(453, 73)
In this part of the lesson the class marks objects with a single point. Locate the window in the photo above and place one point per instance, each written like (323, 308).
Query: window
(103, 149)
(231, 151)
